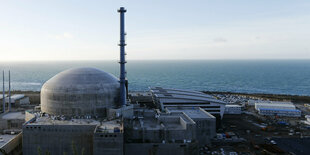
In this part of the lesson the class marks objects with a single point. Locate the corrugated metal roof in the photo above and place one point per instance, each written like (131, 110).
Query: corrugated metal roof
(233, 105)
(192, 112)
(182, 96)
(14, 97)
(17, 96)
(274, 105)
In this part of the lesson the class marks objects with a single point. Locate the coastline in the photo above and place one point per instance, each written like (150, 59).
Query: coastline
(276, 97)
(34, 96)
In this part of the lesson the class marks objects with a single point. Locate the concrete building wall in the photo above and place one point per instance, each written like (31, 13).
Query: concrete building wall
(15, 124)
(108, 143)
(169, 119)
(233, 109)
(203, 127)
(162, 149)
(14, 146)
(22, 101)
(205, 130)
(10, 123)
(58, 139)
(159, 135)
(183, 123)
(3, 124)
(280, 112)
(29, 116)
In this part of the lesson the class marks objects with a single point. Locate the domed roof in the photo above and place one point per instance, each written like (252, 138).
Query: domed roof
(79, 76)
(80, 91)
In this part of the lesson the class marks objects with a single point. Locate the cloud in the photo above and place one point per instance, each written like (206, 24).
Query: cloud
(65, 35)
(220, 40)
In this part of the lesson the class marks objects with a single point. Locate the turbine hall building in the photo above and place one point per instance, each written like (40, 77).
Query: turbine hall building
(174, 98)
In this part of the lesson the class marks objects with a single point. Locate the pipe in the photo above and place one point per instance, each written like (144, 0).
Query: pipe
(126, 85)
(9, 91)
(122, 62)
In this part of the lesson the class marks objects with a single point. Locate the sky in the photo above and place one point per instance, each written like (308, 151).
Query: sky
(156, 30)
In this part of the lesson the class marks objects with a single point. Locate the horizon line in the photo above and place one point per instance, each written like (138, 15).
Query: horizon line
(55, 60)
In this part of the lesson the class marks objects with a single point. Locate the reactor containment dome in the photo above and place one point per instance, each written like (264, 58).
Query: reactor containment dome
(80, 92)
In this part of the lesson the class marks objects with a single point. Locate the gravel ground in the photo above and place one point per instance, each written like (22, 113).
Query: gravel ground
(296, 145)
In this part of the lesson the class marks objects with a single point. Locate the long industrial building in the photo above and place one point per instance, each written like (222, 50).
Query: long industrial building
(233, 109)
(167, 97)
(274, 106)
(280, 112)
(277, 109)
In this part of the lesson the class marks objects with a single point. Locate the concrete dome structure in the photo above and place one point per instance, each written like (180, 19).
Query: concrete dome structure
(80, 91)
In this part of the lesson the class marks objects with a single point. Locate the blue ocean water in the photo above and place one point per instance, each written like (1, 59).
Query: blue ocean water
(250, 76)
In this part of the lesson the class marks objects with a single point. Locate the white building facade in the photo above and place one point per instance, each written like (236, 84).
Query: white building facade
(233, 109)
(277, 109)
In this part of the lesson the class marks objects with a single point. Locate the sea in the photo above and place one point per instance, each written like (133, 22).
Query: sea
(290, 77)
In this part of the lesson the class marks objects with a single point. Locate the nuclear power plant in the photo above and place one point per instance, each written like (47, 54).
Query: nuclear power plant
(88, 111)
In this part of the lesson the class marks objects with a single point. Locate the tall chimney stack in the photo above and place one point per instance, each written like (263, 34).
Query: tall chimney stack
(122, 62)
(3, 93)
(9, 91)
